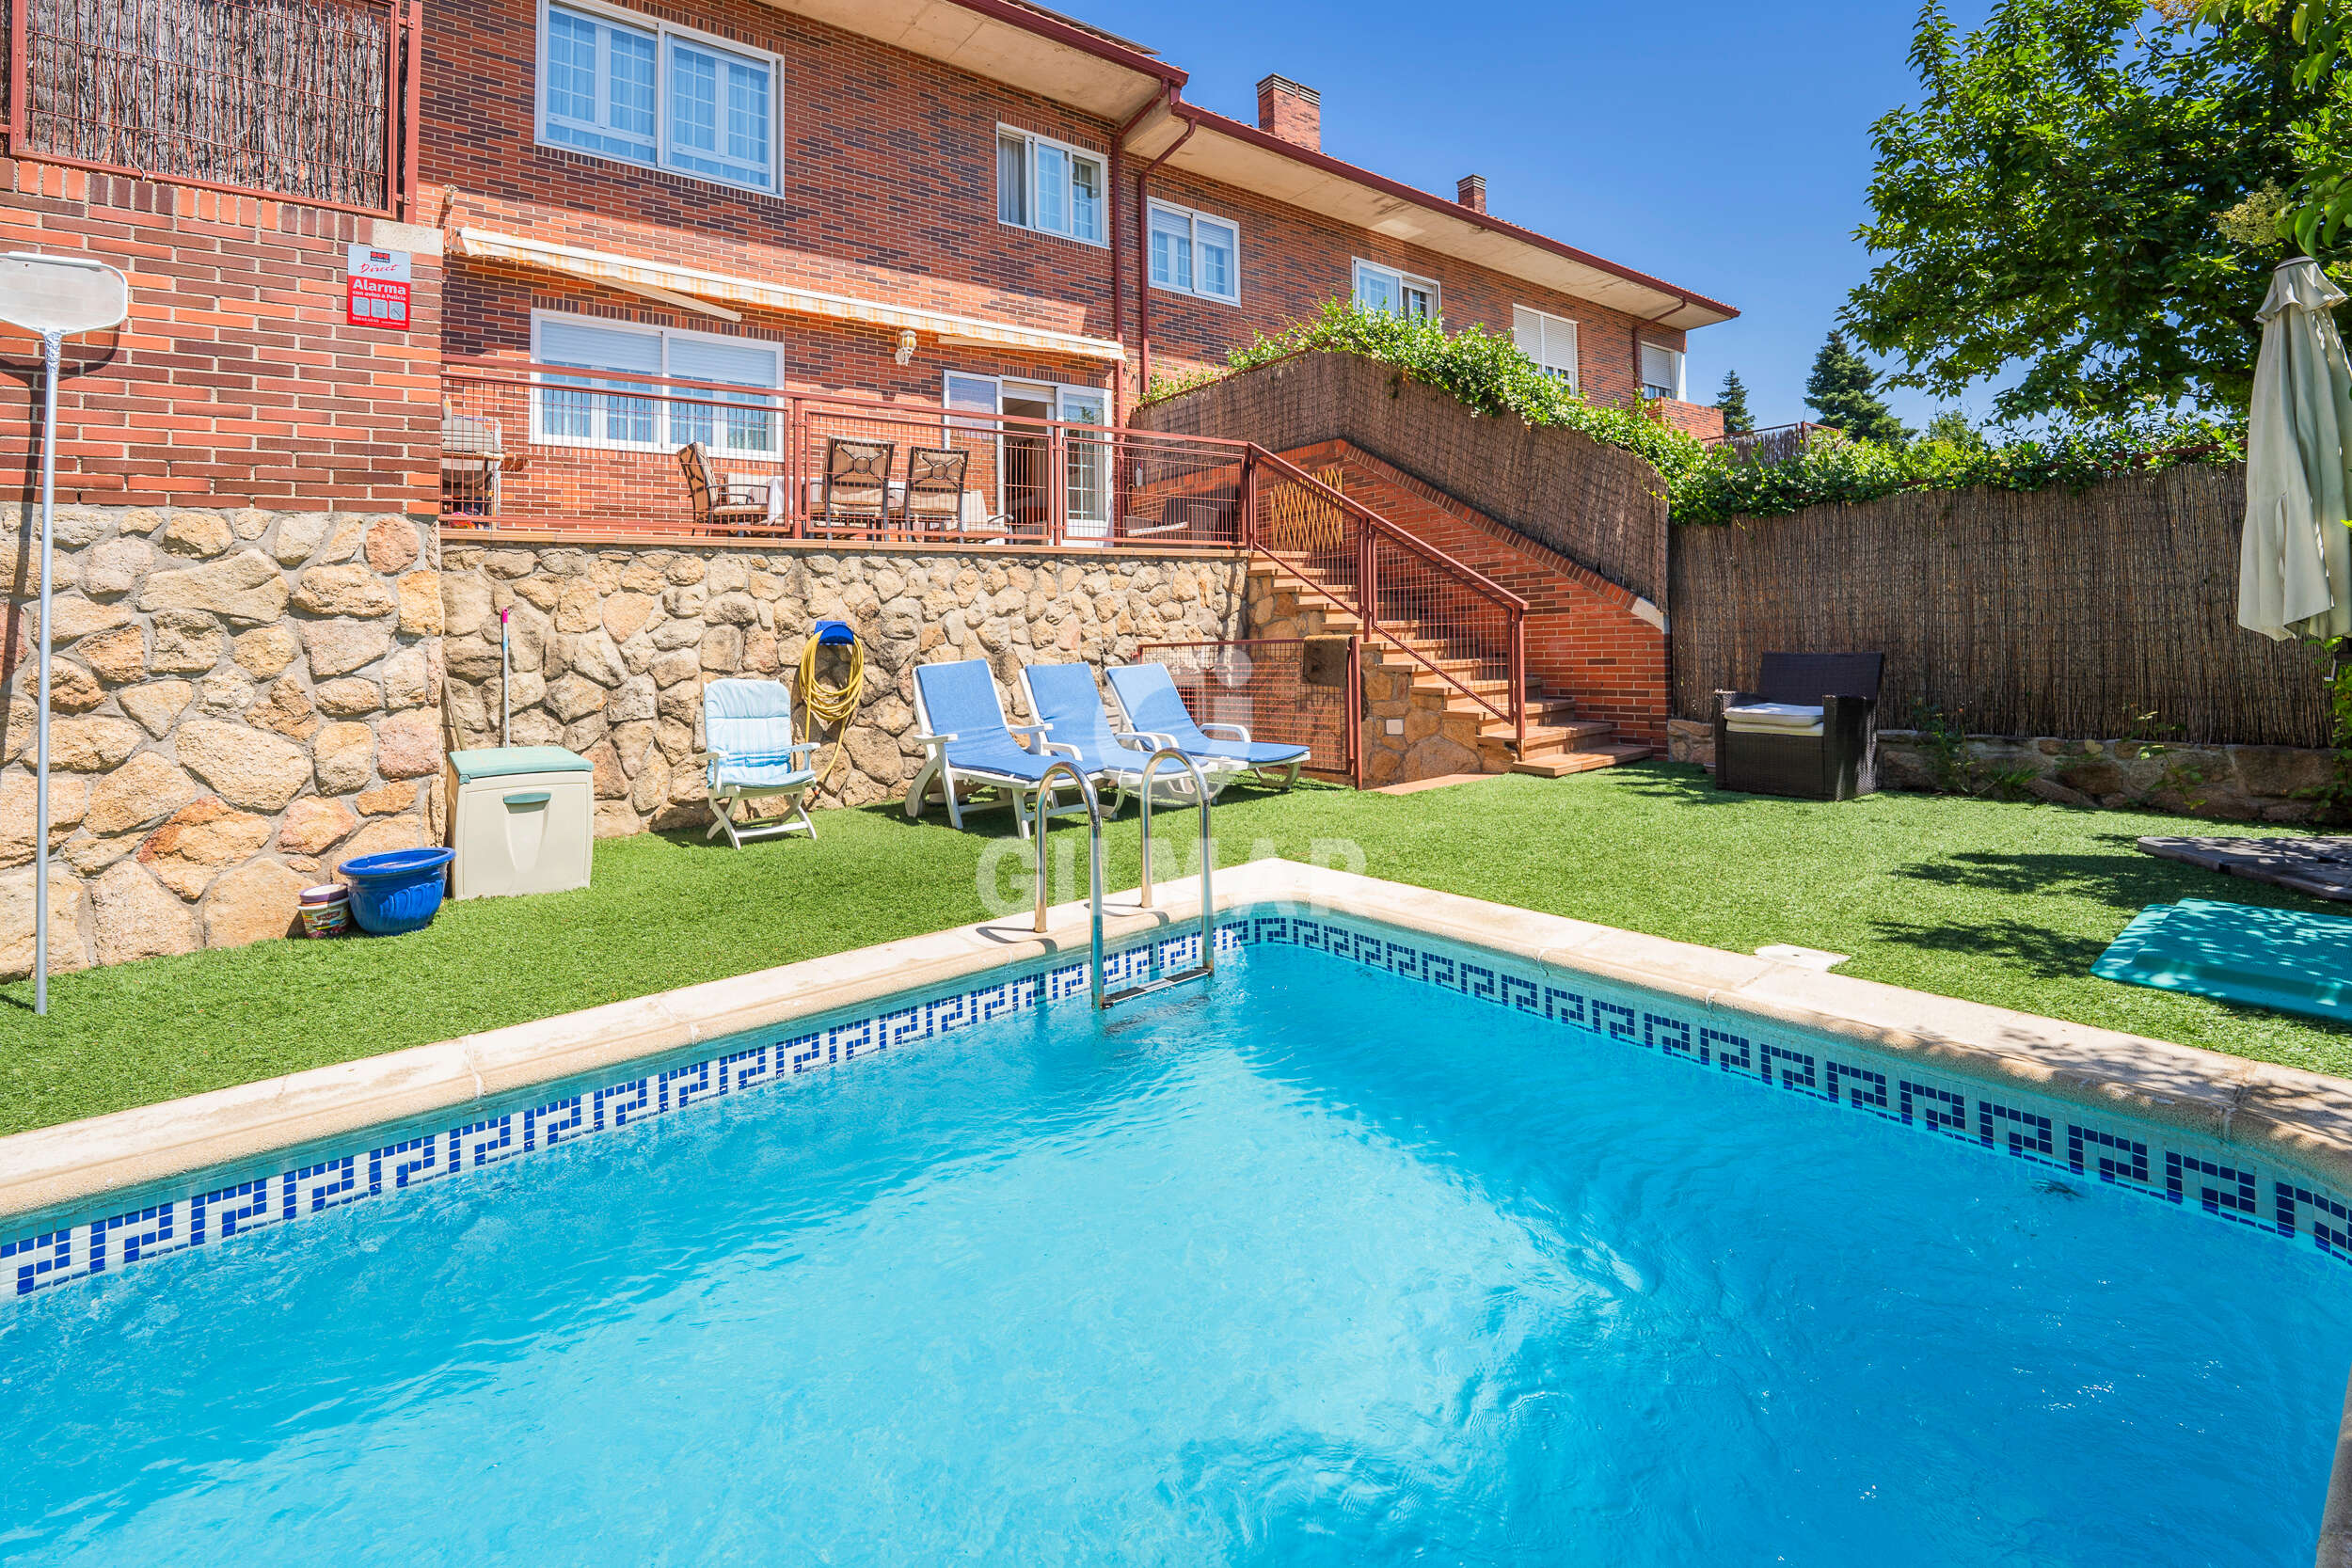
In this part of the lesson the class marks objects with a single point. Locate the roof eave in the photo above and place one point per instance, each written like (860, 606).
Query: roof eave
(1670, 305)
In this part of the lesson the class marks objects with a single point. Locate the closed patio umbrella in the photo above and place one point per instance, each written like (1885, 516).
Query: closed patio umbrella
(2295, 567)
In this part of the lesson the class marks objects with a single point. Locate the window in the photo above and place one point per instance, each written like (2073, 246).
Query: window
(588, 410)
(1398, 293)
(657, 96)
(1044, 186)
(1661, 371)
(1193, 253)
(1548, 340)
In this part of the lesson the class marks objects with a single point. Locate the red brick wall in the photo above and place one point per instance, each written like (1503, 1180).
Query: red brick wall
(1584, 639)
(1702, 419)
(888, 192)
(888, 186)
(1293, 260)
(236, 379)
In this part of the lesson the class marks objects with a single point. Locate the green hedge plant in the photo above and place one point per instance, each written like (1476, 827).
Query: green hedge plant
(1488, 375)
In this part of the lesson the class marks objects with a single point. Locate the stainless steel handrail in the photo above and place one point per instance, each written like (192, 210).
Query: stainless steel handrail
(1208, 858)
(1041, 814)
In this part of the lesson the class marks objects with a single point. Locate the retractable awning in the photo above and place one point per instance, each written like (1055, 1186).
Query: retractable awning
(642, 274)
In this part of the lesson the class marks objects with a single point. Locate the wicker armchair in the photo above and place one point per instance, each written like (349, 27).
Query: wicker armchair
(719, 507)
(1809, 730)
(857, 483)
(934, 489)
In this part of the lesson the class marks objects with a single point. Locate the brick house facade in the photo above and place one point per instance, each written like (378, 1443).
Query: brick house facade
(887, 189)
(240, 381)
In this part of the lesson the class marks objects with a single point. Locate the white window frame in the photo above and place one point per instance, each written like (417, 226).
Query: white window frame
(1103, 185)
(968, 421)
(1403, 281)
(663, 34)
(1194, 217)
(1568, 372)
(1681, 385)
(540, 436)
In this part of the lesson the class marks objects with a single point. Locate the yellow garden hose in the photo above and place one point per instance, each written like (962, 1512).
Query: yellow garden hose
(833, 707)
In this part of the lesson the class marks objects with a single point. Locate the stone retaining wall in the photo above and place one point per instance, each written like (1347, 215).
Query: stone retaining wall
(241, 700)
(2239, 784)
(609, 648)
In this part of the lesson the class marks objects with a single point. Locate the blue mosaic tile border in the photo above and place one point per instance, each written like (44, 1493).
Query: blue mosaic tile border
(30, 1263)
(2156, 1162)
(2163, 1163)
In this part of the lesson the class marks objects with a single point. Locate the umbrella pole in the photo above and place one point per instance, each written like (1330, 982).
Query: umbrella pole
(51, 344)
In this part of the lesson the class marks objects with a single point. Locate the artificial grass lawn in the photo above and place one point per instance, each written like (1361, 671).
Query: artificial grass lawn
(1994, 902)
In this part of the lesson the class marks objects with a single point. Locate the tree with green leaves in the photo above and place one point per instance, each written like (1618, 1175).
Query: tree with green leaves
(1951, 428)
(2059, 202)
(1843, 390)
(1733, 401)
(2315, 214)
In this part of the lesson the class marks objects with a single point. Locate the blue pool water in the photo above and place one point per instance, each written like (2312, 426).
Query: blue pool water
(1322, 1266)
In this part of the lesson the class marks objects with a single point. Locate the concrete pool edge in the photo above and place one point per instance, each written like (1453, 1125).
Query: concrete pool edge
(2295, 1117)
(2304, 1118)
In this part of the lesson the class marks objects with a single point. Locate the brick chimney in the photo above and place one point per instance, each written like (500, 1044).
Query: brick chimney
(1294, 113)
(1471, 191)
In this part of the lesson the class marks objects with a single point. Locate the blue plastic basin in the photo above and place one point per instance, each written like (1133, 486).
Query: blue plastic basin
(397, 891)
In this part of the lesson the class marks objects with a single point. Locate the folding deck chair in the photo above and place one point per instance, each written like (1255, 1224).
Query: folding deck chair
(966, 741)
(1155, 708)
(750, 760)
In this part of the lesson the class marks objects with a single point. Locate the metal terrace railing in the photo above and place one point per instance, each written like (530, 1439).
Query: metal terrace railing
(1451, 620)
(315, 100)
(1777, 443)
(571, 448)
(552, 446)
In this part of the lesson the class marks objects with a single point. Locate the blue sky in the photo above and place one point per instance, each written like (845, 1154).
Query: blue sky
(1720, 144)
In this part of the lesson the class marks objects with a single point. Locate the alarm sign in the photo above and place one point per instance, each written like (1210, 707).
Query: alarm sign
(377, 288)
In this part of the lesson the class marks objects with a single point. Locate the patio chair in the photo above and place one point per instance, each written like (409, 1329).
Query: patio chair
(1809, 730)
(1064, 699)
(1153, 707)
(751, 761)
(473, 463)
(966, 741)
(717, 506)
(856, 483)
(934, 489)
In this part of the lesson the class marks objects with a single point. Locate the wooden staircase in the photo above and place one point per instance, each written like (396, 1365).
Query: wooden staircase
(1559, 742)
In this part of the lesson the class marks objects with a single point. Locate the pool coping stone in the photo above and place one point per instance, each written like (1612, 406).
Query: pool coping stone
(2302, 1117)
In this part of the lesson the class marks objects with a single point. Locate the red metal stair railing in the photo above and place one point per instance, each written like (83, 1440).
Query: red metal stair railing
(1454, 621)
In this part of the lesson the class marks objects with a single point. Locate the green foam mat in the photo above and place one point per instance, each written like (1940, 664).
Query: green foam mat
(2282, 959)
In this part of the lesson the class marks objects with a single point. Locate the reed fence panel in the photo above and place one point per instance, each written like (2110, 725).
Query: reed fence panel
(2096, 615)
(296, 97)
(1602, 508)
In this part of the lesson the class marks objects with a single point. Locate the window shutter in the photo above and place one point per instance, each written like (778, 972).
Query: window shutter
(1660, 369)
(599, 348)
(736, 364)
(1527, 330)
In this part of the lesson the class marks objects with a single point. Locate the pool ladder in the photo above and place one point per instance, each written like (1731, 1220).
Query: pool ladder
(1094, 806)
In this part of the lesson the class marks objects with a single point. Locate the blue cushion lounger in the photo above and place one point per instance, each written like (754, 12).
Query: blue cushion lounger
(751, 761)
(2293, 961)
(1148, 696)
(966, 741)
(1064, 699)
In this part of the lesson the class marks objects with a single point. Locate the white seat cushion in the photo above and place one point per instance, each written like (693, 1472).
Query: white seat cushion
(1774, 718)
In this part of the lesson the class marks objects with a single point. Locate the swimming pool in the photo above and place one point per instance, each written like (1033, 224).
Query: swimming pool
(1379, 1249)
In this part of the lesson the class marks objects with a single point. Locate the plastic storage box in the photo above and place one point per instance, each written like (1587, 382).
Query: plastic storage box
(522, 819)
